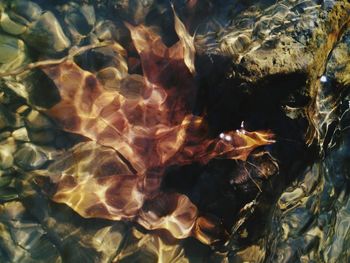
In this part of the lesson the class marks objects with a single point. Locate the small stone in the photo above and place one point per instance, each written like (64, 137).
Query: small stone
(108, 30)
(132, 87)
(110, 77)
(46, 35)
(81, 19)
(5, 180)
(8, 194)
(6, 159)
(7, 148)
(21, 135)
(13, 53)
(26, 9)
(30, 157)
(36, 120)
(10, 48)
(11, 27)
(5, 135)
(45, 136)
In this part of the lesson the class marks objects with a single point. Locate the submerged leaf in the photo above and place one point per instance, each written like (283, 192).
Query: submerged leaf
(187, 41)
(136, 130)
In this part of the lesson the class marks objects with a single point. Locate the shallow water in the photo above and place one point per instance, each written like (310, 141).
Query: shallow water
(197, 131)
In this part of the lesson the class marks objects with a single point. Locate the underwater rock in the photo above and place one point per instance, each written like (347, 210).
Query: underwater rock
(10, 26)
(7, 148)
(338, 67)
(6, 159)
(99, 59)
(23, 240)
(40, 128)
(37, 121)
(330, 89)
(24, 9)
(280, 39)
(80, 21)
(135, 11)
(21, 135)
(302, 229)
(147, 248)
(18, 15)
(13, 53)
(9, 119)
(110, 77)
(111, 30)
(132, 86)
(30, 157)
(10, 48)
(46, 35)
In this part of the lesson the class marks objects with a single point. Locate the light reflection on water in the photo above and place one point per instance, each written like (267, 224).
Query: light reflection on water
(280, 53)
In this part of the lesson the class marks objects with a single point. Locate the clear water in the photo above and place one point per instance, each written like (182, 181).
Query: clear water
(191, 131)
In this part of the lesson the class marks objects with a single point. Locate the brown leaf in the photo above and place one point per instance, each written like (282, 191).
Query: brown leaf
(187, 42)
(136, 130)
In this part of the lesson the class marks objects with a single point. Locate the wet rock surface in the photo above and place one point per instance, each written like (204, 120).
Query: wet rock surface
(281, 66)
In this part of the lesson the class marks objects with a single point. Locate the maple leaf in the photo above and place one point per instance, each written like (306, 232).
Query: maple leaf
(137, 130)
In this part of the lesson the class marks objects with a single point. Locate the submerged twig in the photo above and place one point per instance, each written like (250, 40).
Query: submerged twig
(251, 178)
(49, 62)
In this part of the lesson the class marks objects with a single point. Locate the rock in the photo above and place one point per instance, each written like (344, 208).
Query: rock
(135, 11)
(41, 90)
(330, 90)
(50, 232)
(104, 57)
(10, 26)
(5, 180)
(279, 39)
(132, 86)
(146, 248)
(6, 159)
(26, 9)
(338, 68)
(7, 148)
(28, 240)
(315, 225)
(37, 121)
(18, 15)
(21, 135)
(46, 35)
(9, 119)
(13, 53)
(80, 21)
(8, 194)
(42, 137)
(110, 77)
(30, 157)
(109, 30)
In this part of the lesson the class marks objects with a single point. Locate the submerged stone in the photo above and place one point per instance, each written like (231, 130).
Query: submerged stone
(10, 26)
(81, 19)
(13, 53)
(26, 9)
(30, 157)
(46, 35)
